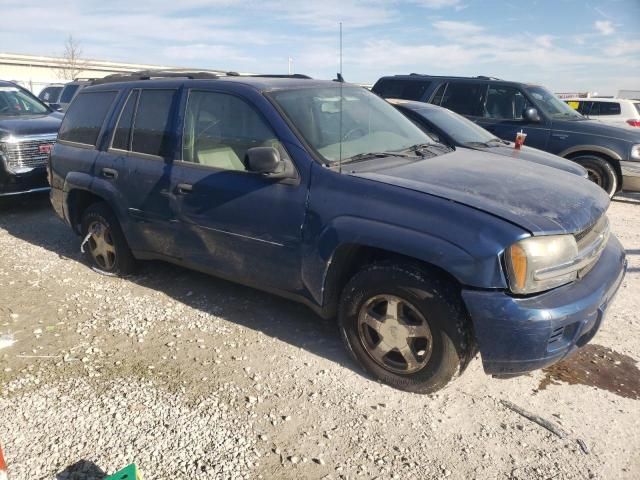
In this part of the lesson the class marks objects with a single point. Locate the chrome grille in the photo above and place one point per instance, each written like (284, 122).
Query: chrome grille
(24, 153)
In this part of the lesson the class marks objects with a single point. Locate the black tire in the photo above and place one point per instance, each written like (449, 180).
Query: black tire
(600, 171)
(431, 295)
(119, 262)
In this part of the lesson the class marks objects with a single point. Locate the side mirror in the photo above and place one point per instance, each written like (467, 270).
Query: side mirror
(55, 106)
(531, 115)
(267, 161)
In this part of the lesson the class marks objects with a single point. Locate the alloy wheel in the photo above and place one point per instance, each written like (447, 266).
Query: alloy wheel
(395, 334)
(101, 245)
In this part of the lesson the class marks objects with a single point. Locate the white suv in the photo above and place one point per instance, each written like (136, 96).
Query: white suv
(618, 111)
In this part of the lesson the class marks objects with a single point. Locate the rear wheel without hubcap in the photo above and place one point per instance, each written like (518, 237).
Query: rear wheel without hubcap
(106, 247)
(101, 246)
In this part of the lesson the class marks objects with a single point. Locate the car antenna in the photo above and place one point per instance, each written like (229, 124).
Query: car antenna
(341, 81)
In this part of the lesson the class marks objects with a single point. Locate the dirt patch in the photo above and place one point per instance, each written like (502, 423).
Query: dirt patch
(597, 366)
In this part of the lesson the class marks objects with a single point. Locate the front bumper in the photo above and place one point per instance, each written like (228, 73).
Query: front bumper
(630, 176)
(23, 183)
(517, 335)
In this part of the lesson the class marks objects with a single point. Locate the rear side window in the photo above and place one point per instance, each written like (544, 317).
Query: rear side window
(609, 108)
(505, 103)
(151, 133)
(405, 89)
(122, 135)
(637, 105)
(68, 92)
(83, 121)
(49, 94)
(465, 98)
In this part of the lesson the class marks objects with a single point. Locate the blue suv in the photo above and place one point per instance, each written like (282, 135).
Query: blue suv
(610, 154)
(324, 193)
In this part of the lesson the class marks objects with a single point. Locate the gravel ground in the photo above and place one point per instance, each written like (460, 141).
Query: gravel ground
(190, 376)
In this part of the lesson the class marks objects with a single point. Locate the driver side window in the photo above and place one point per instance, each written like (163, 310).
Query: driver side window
(506, 103)
(220, 128)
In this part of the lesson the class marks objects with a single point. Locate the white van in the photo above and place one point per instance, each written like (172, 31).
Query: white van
(618, 111)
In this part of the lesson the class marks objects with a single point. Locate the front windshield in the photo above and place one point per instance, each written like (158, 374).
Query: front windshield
(462, 130)
(552, 105)
(14, 101)
(369, 124)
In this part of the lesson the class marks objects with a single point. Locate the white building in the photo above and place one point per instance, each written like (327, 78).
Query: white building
(36, 72)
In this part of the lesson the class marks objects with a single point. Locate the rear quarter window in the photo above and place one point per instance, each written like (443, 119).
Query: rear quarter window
(637, 105)
(83, 121)
(609, 108)
(404, 89)
(68, 92)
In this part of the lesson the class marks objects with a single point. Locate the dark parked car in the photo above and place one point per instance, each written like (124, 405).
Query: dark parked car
(51, 94)
(28, 130)
(610, 154)
(456, 131)
(324, 193)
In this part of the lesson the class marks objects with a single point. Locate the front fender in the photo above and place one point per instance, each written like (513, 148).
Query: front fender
(467, 267)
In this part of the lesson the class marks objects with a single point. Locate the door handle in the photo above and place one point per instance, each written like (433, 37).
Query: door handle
(109, 173)
(184, 188)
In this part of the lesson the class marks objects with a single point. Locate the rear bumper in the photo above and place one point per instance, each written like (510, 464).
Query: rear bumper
(517, 335)
(23, 183)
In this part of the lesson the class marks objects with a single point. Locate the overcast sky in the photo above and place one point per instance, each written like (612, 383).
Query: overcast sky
(568, 45)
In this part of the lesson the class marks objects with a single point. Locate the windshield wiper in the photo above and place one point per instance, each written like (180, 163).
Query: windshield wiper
(433, 148)
(369, 155)
(494, 142)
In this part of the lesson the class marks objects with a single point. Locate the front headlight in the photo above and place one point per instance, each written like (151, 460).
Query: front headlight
(541, 263)
(635, 152)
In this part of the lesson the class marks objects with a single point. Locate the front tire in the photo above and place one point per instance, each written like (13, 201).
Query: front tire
(600, 172)
(106, 248)
(405, 326)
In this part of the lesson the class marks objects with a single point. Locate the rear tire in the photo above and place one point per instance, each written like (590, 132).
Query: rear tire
(415, 316)
(106, 249)
(600, 172)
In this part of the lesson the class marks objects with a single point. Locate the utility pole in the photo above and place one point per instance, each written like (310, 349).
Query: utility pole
(290, 66)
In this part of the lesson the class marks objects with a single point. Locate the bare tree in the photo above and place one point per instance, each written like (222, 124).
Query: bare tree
(72, 62)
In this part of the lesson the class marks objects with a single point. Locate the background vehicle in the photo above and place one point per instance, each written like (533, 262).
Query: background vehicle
(610, 154)
(456, 131)
(424, 253)
(28, 130)
(51, 94)
(617, 111)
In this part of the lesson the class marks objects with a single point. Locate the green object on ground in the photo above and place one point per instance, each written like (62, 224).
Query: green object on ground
(128, 473)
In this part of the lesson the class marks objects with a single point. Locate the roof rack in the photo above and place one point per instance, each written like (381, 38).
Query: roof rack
(268, 75)
(151, 74)
(480, 77)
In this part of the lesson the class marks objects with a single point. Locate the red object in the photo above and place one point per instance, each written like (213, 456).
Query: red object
(634, 123)
(520, 136)
(3, 466)
(45, 148)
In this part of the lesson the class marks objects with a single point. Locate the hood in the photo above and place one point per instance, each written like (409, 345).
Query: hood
(596, 127)
(538, 198)
(30, 125)
(537, 156)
